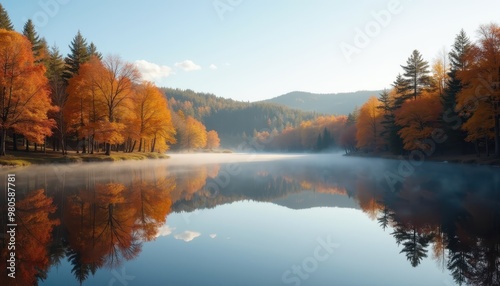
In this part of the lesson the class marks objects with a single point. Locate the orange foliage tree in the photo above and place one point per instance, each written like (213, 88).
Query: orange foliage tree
(419, 118)
(479, 100)
(101, 97)
(24, 100)
(213, 140)
(369, 125)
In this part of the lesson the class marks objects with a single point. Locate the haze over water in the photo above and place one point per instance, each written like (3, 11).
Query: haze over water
(266, 219)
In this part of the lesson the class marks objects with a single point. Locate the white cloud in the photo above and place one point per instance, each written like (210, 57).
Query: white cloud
(213, 67)
(165, 230)
(187, 236)
(188, 66)
(152, 71)
(213, 235)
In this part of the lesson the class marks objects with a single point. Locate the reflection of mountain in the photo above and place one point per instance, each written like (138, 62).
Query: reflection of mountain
(308, 199)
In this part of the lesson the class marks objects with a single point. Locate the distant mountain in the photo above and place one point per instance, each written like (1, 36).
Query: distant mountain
(330, 103)
(308, 199)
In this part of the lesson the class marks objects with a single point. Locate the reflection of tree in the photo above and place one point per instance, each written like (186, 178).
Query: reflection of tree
(33, 235)
(151, 195)
(414, 243)
(385, 217)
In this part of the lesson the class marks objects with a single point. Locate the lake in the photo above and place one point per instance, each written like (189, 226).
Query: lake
(247, 219)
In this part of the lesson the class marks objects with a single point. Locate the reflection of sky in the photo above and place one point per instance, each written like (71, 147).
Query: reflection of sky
(256, 243)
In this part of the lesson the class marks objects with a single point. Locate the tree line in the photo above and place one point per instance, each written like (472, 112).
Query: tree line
(451, 105)
(83, 101)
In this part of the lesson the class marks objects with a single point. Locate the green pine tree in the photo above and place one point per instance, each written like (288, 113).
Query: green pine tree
(79, 54)
(451, 118)
(92, 50)
(417, 74)
(38, 45)
(5, 22)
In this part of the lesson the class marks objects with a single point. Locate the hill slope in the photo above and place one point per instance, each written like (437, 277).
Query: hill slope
(330, 103)
(234, 120)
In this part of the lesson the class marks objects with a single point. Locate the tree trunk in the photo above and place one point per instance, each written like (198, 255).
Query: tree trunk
(476, 146)
(153, 146)
(497, 135)
(2, 141)
(133, 146)
(27, 145)
(140, 144)
(14, 141)
(84, 149)
(108, 149)
(487, 143)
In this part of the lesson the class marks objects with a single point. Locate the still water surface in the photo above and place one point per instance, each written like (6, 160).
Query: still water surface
(241, 219)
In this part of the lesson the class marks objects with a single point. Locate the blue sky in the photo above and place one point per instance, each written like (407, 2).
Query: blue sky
(254, 49)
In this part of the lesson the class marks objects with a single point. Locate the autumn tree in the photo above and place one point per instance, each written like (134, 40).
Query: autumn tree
(213, 140)
(418, 119)
(102, 94)
(24, 98)
(416, 74)
(151, 120)
(195, 134)
(479, 99)
(5, 22)
(369, 125)
(440, 75)
(84, 109)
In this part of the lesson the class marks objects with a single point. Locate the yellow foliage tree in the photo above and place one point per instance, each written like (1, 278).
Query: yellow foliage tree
(369, 125)
(213, 140)
(194, 135)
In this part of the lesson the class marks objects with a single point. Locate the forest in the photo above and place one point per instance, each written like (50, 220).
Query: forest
(83, 102)
(87, 102)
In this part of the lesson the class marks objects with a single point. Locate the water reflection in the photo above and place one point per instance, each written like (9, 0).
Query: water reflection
(94, 217)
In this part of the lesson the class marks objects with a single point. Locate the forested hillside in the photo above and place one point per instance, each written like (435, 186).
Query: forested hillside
(233, 120)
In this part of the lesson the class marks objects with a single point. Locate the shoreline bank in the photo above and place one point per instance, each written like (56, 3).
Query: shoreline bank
(470, 159)
(23, 159)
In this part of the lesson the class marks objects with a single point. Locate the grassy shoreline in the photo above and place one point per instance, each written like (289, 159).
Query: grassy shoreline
(20, 158)
(455, 159)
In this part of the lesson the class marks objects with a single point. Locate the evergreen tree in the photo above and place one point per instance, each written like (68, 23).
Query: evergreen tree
(5, 22)
(38, 45)
(416, 74)
(458, 63)
(391, 129)
(79, 54)
(55, 71)
(92, 50)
